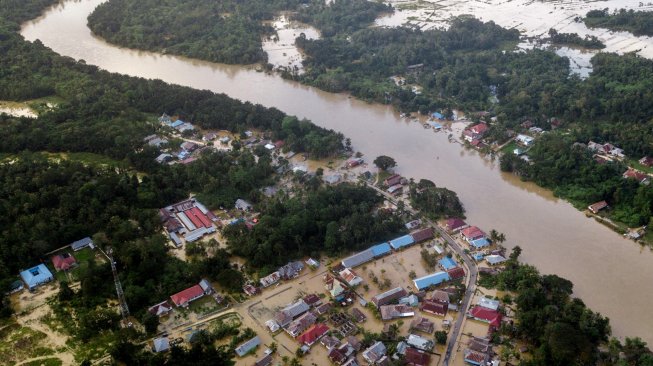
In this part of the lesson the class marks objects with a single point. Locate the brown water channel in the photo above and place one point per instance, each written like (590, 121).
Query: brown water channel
(611, 274)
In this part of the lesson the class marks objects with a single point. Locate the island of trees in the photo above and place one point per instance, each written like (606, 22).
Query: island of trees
(573, 39)
(640, 23)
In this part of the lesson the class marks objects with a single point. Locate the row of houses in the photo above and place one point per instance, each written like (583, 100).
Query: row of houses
(287, 272)
(383, 249)
(177, 124)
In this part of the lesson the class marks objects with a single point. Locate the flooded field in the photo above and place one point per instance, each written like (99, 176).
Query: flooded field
(532, 18)
(281, 48)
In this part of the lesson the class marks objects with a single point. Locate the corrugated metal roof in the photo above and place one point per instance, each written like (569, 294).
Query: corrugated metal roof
(430, 280)
(81, 243)
(358, 258)
(402, 241)
(381, 249)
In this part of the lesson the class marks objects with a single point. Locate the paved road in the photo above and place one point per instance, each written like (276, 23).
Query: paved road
(472, 269)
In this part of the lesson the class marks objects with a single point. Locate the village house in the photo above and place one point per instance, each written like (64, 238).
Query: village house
(290, 312)
(352, 163)
(637, 175)
(647, 161)
(488, 303)
(410, 300)
(472, 233)
(313, 334)
(480, 313)
(243, 205)
(270, 279)
(524, 140)
(419, 342)
(350, 277)
(336, 356)
(334, 286)
(456, 273)
(163, 158)
(161, 309)
(36, 276)
(598, 206)
(160, 344)
(185, 297)
(312, 300)
(81, 244)
(434, 307)
(389, 296)
(299, 325)
(244, 348)
(250, 290)
(358, 315)
(189, 146)
(367, 255)
(393, 180)
(606, 149)
(395, 189)
(475, 358)
(455, 225)
(422, 235)
(330, 342)
(264, 361)
(476, 132)
(291, 270)
(495, 259)
(390, 312)
(440, 296)
(422, 325)
(413, 224)
(63, 262)
(415, 357)
(374, 353)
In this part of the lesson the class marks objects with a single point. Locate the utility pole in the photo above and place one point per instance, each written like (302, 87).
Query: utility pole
(124, 309)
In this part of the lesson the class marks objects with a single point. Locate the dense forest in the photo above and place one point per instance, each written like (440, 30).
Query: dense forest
(341, 16)
(219, 31)
(333, 220)
(572, 172)
(559, 329)
(640, 23)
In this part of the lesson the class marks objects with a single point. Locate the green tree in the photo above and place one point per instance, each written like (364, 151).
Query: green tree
(384, 162)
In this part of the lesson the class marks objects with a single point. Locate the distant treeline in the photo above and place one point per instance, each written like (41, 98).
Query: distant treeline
(573, 39)
(640, 23)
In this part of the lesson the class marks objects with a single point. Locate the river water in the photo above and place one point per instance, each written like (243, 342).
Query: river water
(612, 275)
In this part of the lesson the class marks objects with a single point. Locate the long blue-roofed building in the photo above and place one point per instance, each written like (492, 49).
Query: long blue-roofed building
(380, 250)
(402, 241)
(433, 279)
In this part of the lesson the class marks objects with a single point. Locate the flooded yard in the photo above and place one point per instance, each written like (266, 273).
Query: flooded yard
(281, 49)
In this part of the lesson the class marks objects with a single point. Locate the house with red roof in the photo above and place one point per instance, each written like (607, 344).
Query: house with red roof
(435, 307)
(456, 273)
(183, 298)
(637, 175)
(63, 262)
(313, 334)
(475, 358)
(456, 224)
(421, 235)
(476, 132)
(472, 233)
(415, 357)
(493, 317)
(598, 206)
(646, 161)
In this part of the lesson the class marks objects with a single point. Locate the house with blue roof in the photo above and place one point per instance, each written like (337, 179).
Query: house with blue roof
(447, 263)
(402, 241)
(479, 243)
(437, 115)
(435, 125)
(36, 276)
(478, 256)
(433, 279)
(176, 123)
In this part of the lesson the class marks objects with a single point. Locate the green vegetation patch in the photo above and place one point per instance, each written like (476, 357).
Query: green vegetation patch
(640, 23)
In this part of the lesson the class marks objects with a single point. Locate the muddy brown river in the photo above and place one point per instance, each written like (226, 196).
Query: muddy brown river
(612, 275)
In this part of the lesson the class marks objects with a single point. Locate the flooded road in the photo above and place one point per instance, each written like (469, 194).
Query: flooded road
(611, 274)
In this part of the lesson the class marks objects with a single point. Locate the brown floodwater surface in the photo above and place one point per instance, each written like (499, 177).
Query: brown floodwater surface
(612, 275)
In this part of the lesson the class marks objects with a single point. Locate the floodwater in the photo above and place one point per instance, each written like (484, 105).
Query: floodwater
(281, 49)
(531, 18)
(611, 274)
